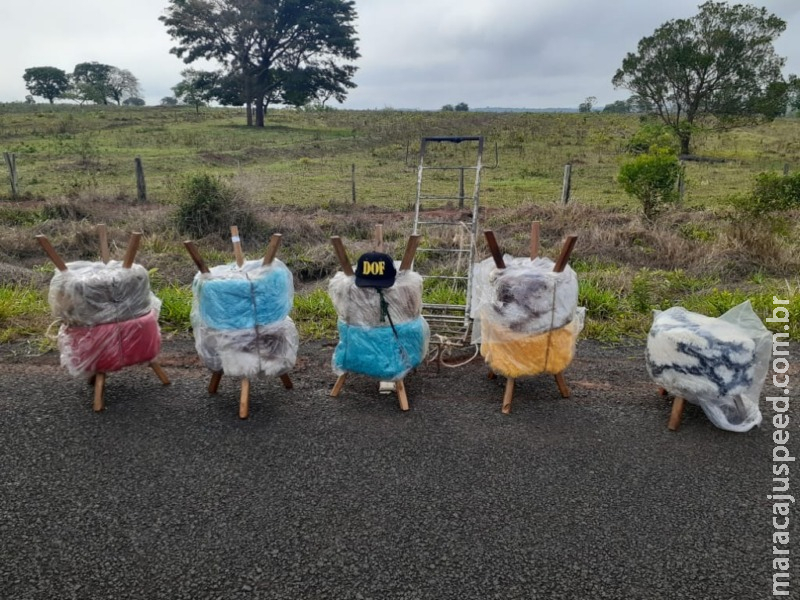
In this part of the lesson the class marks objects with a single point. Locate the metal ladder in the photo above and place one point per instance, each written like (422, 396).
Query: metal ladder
(448, 223)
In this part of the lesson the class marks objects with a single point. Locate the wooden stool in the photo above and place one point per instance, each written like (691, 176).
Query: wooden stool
(269, 256)
(347, 269)
(561, 263)
(98, 380)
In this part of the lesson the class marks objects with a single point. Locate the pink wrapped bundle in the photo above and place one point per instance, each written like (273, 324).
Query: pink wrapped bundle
(110, 346)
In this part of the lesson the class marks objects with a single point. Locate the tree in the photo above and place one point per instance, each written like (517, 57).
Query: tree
(133, 101)
(169, 101)
(47, 82)
(633, 104)
(587, 105)
(90, 80)
(448, 108)
(196, 88)
(462, 107)
(620, 106)
(120, 84)
(289, 51)
(717, 70)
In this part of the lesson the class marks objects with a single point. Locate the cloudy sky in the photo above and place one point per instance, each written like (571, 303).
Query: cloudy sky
(415, 53)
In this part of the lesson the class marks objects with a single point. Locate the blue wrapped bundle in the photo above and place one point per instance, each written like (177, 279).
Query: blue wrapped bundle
(230, 297)
(376, 352)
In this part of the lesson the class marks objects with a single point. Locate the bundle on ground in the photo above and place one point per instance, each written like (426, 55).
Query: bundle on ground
(716, 363)
(527, 316)
(109, 316)
(372, 343)
(240, 319)
(90, 293)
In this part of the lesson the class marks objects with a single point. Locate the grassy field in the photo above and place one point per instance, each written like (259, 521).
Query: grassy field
(76, 169)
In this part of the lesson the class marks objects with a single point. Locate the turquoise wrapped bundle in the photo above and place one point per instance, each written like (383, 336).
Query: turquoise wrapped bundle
(378, 352)
(230, 297)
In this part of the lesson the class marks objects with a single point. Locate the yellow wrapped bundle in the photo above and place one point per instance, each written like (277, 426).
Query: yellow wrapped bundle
(514, 354)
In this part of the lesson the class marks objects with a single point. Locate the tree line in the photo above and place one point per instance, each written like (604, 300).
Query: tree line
(89, 82)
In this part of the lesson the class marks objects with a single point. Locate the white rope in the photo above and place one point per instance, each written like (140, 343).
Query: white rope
(441, 342)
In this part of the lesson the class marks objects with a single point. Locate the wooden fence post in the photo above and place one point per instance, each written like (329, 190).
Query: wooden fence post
(11, 161)
(353, 181)
(681, 182)
(785, 169)
(141, 188)
(567, 185)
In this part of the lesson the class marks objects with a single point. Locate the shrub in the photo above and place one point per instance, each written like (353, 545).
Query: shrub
(771, 193)
(204, 205)
(652, 135)
(652, 178)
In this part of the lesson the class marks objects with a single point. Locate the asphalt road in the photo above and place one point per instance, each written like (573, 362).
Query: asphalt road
(168, 495)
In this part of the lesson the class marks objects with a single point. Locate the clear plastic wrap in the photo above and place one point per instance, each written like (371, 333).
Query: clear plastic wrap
(527, 319)
(361, 306)
(368, 345)
(231, 297)
(109, 346)
(240, 319)
(514, 354)
(269, 350)
(526, 297)
(91, 293)
(716, 363)
(378, 351)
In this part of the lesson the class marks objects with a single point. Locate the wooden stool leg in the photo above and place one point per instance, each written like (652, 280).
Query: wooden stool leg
(491, 375)
(401, 395)
(99, 387)
(213, 385)
(678, 405)
(562, 385)
(287, 383)
(662, 392)
(160, 373)
(337, 387)
(507, 396)
(244, 399)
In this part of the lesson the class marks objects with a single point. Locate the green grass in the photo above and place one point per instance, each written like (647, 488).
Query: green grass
(314, 314)
(176, 307)
(24, 312)
(305, 159)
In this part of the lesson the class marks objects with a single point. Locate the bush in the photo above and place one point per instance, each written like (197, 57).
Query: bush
(204, 206)
(652, 178)
(771, 193)
(650, 136)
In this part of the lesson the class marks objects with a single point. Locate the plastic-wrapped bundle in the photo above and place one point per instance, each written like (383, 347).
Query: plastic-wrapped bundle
(526, 297)
(270, 350)
(230, 297)
(91, 293)
(378, 352)
(361, 306)
(719, 364)
(110, 346)
(514, 354)
(240, 319)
